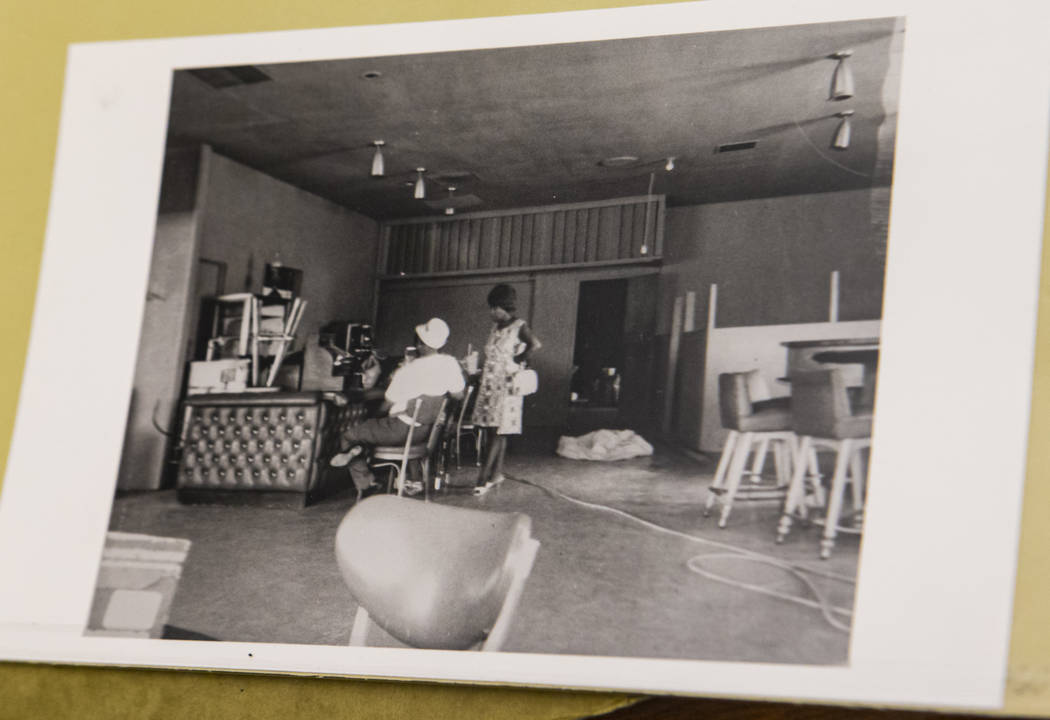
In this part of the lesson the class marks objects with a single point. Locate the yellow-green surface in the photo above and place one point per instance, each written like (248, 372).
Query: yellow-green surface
(34, 35)
(1028, 685)
(104, 693)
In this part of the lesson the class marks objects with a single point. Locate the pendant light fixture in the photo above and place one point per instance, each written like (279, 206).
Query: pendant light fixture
(419, 190)
(842, 134)
(669, 165)
(842, 78)
(450, 210)
(378, 168)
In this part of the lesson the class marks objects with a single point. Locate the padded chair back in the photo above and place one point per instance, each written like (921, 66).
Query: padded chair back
(819, 402)
(435, 576)
(430, 407)
(734, 400)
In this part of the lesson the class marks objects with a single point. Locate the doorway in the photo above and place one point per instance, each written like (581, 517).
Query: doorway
(598, 352)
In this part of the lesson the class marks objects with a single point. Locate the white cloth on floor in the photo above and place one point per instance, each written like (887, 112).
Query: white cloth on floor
(604, 445)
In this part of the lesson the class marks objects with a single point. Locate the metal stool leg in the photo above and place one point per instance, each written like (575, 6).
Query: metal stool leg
(838, 487)
(718, 484)
(736, 472)
(758, 464)
(796, 494)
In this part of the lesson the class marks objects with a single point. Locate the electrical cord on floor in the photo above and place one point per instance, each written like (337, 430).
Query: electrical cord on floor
(821, 603)
(800, 572)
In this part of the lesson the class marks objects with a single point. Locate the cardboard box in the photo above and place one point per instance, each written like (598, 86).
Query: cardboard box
(219, 376)
(136, 583)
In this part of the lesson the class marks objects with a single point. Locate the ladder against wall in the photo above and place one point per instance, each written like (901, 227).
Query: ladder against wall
(624, 230)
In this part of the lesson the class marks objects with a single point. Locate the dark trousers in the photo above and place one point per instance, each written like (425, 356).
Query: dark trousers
(372, 432)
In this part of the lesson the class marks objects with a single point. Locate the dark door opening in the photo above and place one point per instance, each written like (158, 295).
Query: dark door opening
(598, 353)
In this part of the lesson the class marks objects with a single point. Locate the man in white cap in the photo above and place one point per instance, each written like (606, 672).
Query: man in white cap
(431, 376)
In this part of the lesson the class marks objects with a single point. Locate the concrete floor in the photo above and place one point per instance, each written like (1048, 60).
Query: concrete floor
(603, 584)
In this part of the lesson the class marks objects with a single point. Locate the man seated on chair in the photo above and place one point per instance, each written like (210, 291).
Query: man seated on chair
(430, 377)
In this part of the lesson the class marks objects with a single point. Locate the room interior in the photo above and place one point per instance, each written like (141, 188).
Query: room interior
(669, 210)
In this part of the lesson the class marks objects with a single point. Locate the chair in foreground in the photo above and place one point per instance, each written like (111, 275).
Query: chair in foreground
(434, 576)
(756, 423)
(822, 417)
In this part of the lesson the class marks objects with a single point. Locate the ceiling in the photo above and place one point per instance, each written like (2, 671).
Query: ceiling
(529, 126)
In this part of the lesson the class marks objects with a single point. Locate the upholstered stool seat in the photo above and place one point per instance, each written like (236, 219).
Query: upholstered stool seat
(755, 422)
(853, 426)
(766, 416)
(822, 417)
(431, 575)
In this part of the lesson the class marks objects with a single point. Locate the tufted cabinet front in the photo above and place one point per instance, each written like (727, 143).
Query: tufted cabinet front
(267, 443)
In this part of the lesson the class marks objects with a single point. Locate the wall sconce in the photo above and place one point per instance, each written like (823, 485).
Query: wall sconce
(842, 134)
(378, 168)
(419, 190)
(842, 78)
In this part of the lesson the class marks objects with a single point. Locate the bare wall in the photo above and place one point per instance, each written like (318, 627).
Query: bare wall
(158, 370)
(249, 218)
(165, 325)
(772, 258)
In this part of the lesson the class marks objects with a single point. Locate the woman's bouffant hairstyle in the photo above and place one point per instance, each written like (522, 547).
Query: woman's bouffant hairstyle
(503, 296)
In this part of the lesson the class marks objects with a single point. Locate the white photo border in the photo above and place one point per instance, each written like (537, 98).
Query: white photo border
(932, 620)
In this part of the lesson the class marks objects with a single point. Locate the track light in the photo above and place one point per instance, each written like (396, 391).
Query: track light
(378, 169)
(419, 191)
(842, 78)
(669, 166)
(842, 135)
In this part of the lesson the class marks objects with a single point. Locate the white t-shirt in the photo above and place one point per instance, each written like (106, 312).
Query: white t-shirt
(432, 375)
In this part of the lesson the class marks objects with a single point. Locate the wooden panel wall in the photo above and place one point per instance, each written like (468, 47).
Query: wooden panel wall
(555, 236)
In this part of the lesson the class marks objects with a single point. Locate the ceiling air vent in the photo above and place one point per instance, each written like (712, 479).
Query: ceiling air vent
(226, 77)
(733, 147)
(456, 202)
(454, 177)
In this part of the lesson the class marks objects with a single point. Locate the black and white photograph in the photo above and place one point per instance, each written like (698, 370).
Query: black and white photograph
(564, 349)
(673, 349)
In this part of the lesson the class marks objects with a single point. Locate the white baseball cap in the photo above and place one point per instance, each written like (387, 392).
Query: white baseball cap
(434, 333)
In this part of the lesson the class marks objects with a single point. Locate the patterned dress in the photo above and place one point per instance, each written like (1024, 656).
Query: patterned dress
(496, 406)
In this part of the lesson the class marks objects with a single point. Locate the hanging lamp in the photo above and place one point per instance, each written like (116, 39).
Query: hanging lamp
(378, 167)
(842, 134)
(842, 78)
(419, 190)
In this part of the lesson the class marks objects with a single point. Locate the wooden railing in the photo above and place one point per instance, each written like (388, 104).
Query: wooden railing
(618, 231)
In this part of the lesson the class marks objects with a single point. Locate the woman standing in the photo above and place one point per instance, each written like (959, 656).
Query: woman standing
(497, 409)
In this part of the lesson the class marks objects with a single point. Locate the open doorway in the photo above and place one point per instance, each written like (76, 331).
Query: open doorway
(598, 352)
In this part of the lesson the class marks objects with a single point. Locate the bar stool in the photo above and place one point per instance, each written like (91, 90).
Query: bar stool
(756, 423)
(822, 417)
